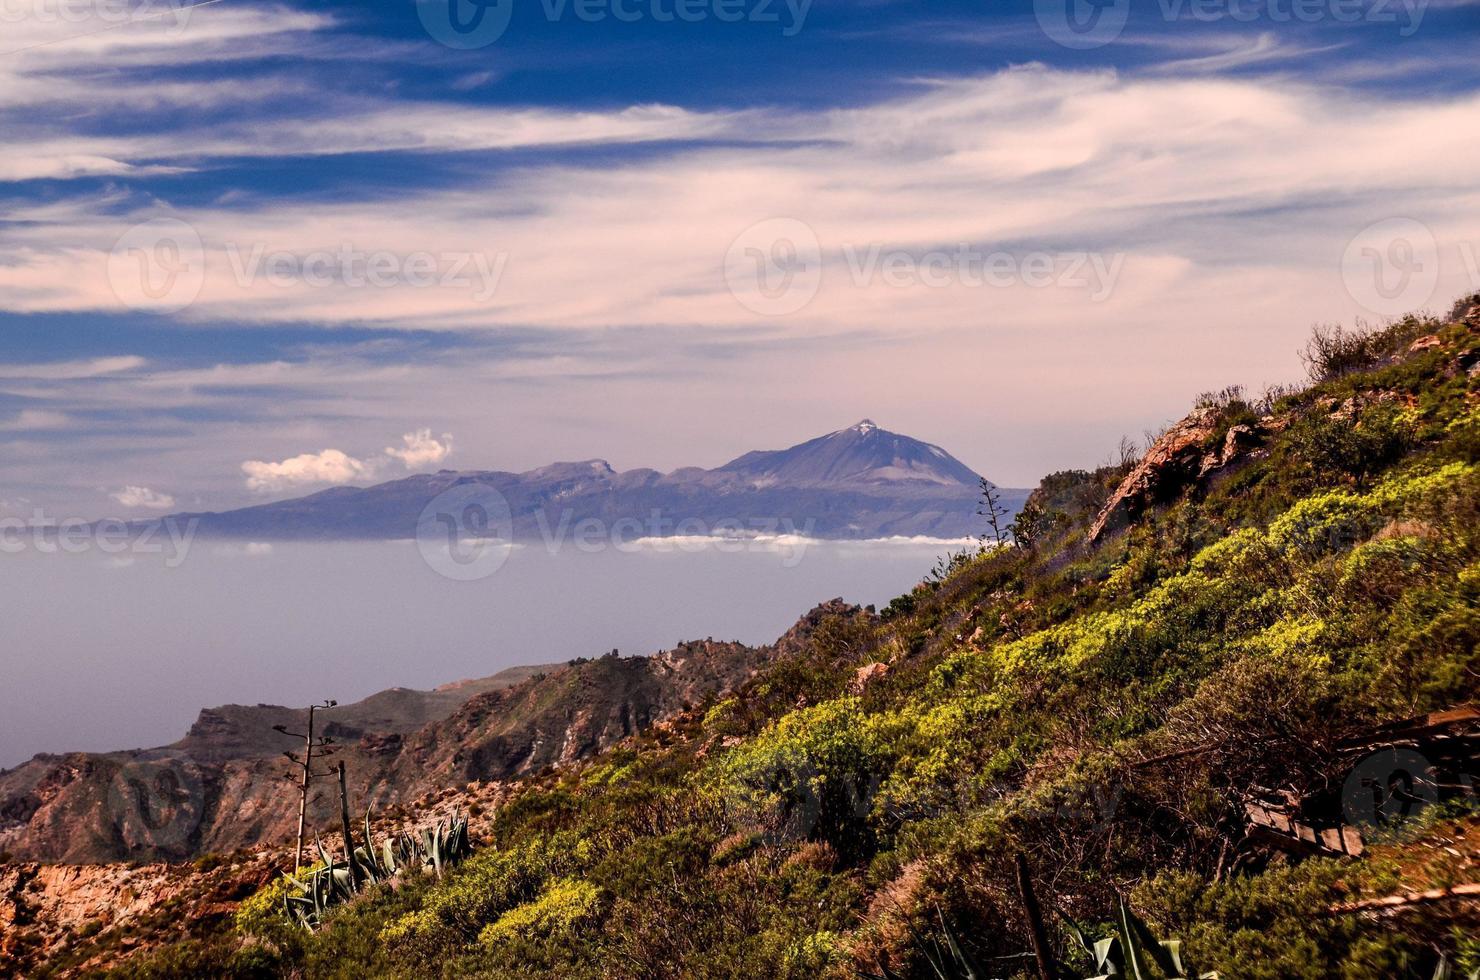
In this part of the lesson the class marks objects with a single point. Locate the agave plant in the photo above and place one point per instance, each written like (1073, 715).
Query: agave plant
(947, 961)
(1445, 971)
(1132, 951)
(432, 849)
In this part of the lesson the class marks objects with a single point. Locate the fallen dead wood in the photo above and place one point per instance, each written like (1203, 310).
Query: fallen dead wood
(1392, 904)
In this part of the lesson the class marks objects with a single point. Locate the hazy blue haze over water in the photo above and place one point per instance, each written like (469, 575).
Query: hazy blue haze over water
(103, 653)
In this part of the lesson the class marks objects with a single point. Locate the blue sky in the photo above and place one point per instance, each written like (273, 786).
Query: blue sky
(563, 219)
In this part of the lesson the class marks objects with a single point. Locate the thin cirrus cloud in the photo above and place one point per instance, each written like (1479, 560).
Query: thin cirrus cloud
(95, 77)
(71, 370)
(1159, 167)
(1160, 162)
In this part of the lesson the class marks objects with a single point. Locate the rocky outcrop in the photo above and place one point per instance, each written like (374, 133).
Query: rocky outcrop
(1179, 458)
(46, 908)
(1168, 465)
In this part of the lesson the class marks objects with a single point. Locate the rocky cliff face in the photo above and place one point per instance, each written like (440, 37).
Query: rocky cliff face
(221, 788)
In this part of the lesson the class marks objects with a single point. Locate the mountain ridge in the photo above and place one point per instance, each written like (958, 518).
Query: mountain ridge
(858, 482)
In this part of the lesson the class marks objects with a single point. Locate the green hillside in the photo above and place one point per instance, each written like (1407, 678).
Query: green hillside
(1288, 571)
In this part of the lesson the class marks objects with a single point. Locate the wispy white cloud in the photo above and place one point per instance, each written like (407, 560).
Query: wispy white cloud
(1237, 52)
(1156, 169)
(32, 419)
(49, 64)
(71, 370)
(1230, 198)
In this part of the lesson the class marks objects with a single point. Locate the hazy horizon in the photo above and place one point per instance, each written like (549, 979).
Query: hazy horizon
(151, 645)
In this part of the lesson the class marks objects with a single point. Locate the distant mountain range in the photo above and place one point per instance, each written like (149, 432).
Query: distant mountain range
(859, 482)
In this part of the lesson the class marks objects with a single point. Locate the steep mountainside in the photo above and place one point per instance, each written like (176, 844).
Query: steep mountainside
(855, 483)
